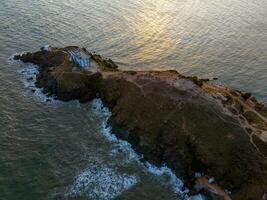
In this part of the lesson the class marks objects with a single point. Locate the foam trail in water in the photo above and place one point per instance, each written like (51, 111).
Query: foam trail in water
(29, 73)
(101, 183)
(121, 146)
(176, 184)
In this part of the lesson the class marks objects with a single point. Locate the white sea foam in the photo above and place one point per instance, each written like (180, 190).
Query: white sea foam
(99, 109)
(173, 181)
(11, 60)
(29, 73)
(118, 144)
(101, 183)
(98, 182)
(176, 183)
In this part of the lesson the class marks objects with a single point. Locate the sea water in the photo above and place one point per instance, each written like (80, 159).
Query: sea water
(55, 150)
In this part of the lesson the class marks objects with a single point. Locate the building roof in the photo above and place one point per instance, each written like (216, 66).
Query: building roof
(80, 58)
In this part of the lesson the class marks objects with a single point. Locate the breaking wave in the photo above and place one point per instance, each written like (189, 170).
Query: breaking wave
(29, 72)
(101, 183)
(172, 180)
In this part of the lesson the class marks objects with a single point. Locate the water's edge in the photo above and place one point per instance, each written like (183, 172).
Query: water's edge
(83, 182)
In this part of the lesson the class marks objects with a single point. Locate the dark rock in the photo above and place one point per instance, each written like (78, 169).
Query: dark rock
(168, 118)
(246, 95)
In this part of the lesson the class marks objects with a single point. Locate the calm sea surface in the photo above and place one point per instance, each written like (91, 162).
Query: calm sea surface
(55, 150)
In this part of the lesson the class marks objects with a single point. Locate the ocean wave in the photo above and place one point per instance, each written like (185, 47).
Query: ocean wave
(176, 184)
(101, 183)
(122, 146)
(29, 72)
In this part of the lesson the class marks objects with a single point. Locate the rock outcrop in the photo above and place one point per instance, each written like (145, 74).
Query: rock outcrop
(188, 123)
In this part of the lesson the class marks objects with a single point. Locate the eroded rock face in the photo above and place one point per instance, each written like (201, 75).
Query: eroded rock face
(185, 122)
(171, 120)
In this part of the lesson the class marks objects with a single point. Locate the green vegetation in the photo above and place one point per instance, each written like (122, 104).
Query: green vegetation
(104, 64)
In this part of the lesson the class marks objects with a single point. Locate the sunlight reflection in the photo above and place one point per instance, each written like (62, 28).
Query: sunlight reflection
(153, 35)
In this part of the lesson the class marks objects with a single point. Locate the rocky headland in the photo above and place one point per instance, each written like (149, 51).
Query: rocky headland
(190, 124)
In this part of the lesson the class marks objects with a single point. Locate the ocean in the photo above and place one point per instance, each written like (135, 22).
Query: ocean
(64, 150)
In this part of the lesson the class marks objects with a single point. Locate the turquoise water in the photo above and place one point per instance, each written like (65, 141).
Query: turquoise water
(47, 149)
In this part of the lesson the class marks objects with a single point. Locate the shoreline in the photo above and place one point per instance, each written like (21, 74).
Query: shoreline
(122, 90)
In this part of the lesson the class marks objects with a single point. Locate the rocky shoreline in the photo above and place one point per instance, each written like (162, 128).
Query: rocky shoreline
(187, 123)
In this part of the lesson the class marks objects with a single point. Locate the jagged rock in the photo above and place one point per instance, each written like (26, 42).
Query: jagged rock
(185, 122)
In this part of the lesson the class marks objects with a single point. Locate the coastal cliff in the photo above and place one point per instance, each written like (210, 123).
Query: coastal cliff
(187, 123)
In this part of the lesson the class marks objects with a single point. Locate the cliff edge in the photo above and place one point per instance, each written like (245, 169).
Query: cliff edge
(190, 124)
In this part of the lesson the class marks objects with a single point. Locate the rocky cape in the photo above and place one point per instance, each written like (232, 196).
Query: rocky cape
(189, 124)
